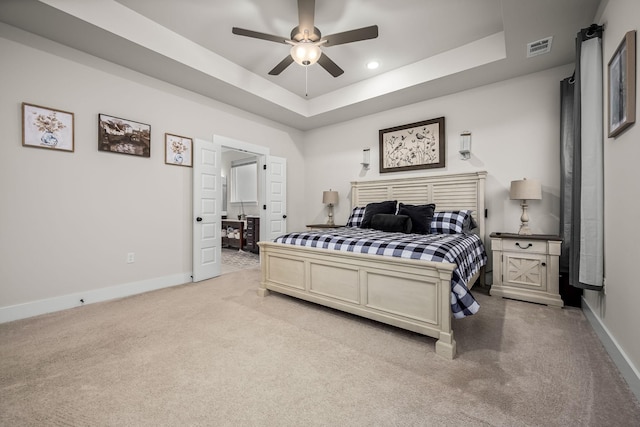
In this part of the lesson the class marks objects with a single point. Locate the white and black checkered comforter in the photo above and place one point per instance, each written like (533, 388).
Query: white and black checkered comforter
(464, 250)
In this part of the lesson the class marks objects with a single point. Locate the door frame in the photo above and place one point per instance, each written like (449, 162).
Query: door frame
(261, 153)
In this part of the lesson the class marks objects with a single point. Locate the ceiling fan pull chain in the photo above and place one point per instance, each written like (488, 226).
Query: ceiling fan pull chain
(306, 81)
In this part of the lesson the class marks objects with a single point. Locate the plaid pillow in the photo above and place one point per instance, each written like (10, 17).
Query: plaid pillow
(452, 222)
(355, 219)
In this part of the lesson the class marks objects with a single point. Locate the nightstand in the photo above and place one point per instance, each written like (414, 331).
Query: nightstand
(322, 226)
(526, 267)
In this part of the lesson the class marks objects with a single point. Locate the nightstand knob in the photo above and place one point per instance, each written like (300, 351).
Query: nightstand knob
(544, 264)
(526, 247)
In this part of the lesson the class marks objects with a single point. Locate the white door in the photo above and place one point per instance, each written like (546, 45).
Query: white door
(207, 201)
(276, 197)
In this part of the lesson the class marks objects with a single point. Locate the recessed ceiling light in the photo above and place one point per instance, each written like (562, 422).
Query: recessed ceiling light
(373, 65)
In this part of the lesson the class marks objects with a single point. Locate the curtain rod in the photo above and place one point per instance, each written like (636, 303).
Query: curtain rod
(591, 31)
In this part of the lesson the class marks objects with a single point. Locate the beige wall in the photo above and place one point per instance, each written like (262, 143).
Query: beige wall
(69, 219)
(617, 308)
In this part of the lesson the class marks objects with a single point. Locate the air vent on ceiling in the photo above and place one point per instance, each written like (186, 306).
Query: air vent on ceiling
(539, 47)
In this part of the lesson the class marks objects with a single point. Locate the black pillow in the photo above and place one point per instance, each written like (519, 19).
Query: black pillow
(421, 216)
(388, 207)
(391, 223)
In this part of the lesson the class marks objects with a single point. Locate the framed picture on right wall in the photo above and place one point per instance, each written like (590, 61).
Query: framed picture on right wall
(622, 85)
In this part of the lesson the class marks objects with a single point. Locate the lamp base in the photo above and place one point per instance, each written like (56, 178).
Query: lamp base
(330, 220)
(524, 221)
(525, 230)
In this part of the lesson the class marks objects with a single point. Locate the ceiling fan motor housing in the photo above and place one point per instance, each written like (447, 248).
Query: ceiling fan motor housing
(298, 36)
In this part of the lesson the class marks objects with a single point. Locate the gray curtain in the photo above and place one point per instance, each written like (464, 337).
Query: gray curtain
(567, 138)
(582, 171)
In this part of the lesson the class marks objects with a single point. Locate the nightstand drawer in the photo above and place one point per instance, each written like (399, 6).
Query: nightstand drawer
(525, 245)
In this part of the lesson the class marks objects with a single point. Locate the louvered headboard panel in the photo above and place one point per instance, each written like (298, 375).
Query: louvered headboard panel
(448, 192)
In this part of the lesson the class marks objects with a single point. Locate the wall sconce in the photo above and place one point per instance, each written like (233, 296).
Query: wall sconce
(525, 190)
(465, 145)
(330, 198)
(366, 158)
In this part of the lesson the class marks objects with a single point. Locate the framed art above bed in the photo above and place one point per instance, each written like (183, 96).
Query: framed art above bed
(414, 146)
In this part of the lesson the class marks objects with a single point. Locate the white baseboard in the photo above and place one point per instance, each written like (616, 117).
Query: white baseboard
(628, 371)
(63, 302)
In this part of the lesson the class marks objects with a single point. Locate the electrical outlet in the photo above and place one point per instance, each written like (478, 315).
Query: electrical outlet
(131, 257)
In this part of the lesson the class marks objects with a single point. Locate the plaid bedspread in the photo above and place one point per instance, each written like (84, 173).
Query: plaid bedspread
(464, 250)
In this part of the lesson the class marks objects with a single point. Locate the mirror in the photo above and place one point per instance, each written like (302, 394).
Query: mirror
(244, 181)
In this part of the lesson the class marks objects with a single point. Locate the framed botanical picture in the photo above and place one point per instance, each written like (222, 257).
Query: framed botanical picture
(622, 86)
(178, 150)
(123, 136)
(45, 127)
(414, 146)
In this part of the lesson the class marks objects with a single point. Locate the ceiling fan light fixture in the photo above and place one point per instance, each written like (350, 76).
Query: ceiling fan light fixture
(305, 53)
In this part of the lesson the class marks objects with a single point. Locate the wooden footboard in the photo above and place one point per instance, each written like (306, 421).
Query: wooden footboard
(410, 294)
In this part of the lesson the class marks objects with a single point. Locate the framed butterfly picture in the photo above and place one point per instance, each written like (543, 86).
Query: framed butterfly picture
(418, 145)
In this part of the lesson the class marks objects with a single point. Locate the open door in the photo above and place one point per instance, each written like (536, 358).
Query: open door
(276, 197)
(207, 203)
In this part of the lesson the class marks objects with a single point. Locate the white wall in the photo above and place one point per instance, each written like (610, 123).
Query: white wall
(69, 219)
(618, 309)
(515, 134)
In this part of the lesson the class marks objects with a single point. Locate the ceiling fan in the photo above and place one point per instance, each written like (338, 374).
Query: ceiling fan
(306, 40)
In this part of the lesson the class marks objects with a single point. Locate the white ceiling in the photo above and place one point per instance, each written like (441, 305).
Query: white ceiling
(426, 48)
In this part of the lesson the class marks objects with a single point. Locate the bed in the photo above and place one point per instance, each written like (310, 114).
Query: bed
(412, 294)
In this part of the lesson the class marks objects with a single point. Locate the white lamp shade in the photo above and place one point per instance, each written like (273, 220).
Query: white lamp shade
(305, 53)
(330, 197)
(525, 189)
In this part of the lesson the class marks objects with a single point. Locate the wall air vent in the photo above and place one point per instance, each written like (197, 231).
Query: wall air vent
(539, 47)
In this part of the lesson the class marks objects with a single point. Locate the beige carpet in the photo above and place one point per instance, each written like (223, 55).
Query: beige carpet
(215, 354)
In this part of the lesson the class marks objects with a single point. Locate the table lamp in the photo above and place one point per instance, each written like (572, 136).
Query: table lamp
(330, 198)
(524, 190)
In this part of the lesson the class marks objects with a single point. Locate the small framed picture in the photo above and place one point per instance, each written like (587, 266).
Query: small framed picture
(178, 150)
(118, 135)
(622, 85)
(44, 127)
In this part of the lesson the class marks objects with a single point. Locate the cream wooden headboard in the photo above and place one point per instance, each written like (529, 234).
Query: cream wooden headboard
(448, 192)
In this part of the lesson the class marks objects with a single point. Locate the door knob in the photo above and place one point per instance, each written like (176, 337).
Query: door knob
(198, 219)
(284, 216)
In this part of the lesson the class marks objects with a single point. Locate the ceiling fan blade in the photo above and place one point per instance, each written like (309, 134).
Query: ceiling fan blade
(306, 13)
(326, 63)
(364, 33)
(257, 35)
(281, 66)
